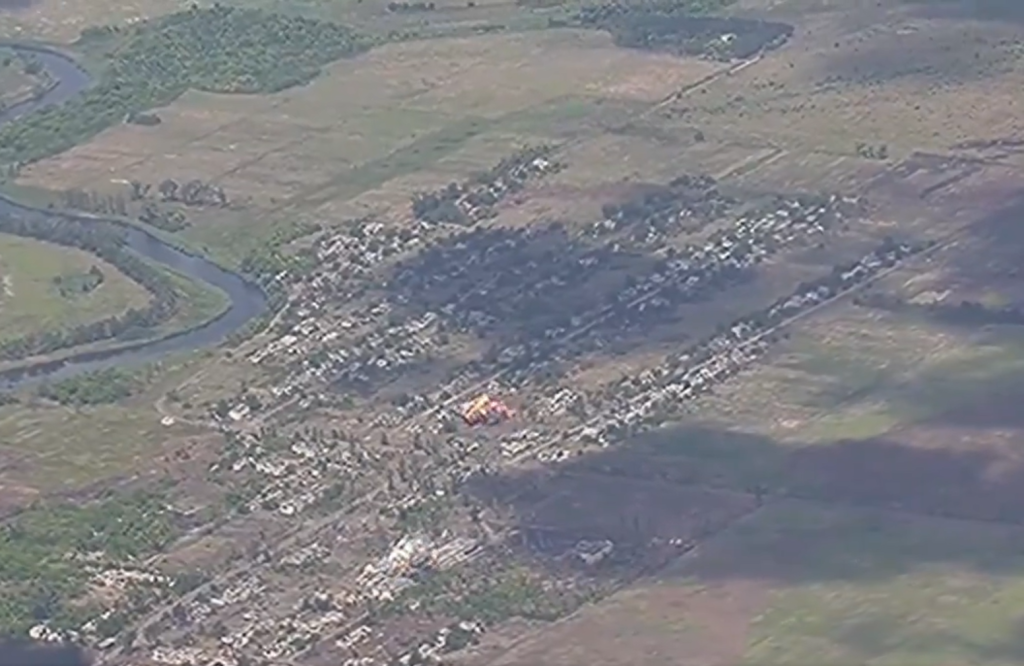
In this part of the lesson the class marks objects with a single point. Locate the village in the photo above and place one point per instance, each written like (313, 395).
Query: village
(357, 511)
(511, 334)
(415, 364)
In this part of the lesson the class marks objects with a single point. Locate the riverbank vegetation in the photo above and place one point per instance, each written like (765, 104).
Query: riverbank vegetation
(216, 49)
(102, 387)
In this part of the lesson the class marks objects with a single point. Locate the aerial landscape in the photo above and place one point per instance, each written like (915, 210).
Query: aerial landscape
(512, 332)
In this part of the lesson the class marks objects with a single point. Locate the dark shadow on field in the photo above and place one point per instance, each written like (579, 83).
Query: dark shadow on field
(504, 287)
(980, 279)
(847, 513)
(860, 503)
(514, 283)
(524, 289)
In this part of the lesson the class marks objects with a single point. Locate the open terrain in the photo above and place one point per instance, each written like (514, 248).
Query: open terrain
(801, 583)
(751, 287)
(426, 113)
(51, 287)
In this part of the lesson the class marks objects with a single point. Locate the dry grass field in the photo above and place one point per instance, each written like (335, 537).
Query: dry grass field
(64, 20)
(47, 449)
(846, 78)
(371, 131)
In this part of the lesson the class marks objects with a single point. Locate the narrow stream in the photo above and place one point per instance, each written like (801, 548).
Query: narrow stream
(247, 301)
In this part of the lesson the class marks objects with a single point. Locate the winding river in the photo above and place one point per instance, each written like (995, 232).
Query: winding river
(247, 301)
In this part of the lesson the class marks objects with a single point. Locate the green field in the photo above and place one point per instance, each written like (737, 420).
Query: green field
(852, 586)
(31, 301)
(55, 448)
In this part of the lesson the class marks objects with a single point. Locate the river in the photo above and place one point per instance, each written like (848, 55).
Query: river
(247, 301)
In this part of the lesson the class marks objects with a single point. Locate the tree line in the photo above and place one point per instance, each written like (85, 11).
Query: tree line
(474, 200)
(105, 242)
(216, 49)
(677, 26)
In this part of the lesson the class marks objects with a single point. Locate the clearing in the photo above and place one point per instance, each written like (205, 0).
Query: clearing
(48, 287)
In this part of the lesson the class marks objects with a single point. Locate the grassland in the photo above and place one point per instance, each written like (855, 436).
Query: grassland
(49, 449)
(892, 410)
(424, 113)
(51, 20)
(857, 372)
(32, 303)
(800, 584)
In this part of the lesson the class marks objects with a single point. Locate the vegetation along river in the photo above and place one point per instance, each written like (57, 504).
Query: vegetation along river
(247, 301)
